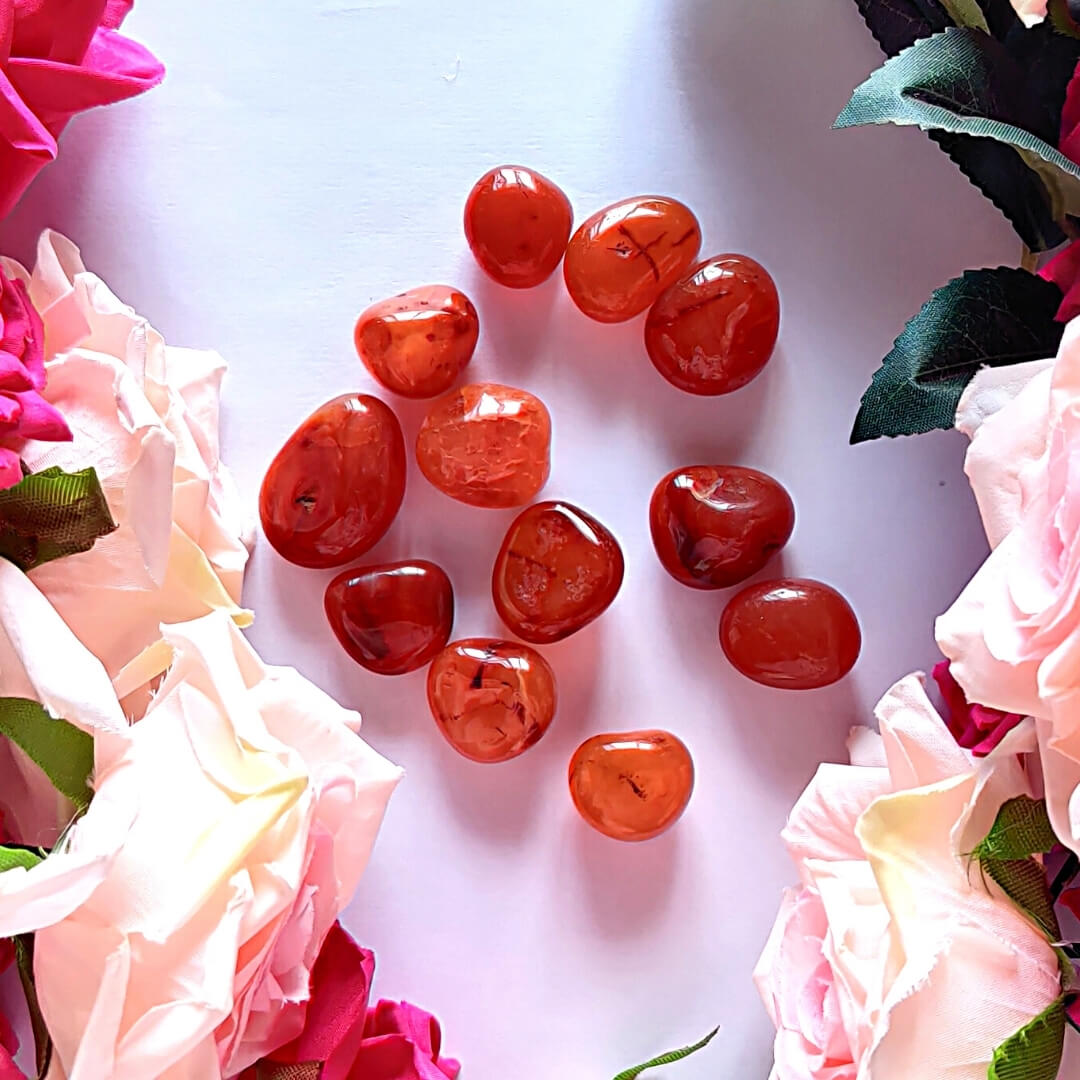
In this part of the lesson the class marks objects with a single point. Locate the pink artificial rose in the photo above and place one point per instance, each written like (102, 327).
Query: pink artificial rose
(1013, 635)
(24, 413)
(975, 727)
(57, 58)
(9, 1041)
(256, 805)
(145, 415)
(345, 1040)
(896, 959)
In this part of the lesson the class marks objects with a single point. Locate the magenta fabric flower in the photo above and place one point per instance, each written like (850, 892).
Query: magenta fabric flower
(57, 58)
(9, 1042)
(975, 727)
(24, 413)
(1064, 268)
(345, 1040)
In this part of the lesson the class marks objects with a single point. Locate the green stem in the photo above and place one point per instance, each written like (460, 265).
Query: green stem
(669, 1058)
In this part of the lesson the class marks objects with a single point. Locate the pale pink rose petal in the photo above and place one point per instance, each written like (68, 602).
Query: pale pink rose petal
(822, 822)
(145, 415)
(1005, 413)
(206, 956)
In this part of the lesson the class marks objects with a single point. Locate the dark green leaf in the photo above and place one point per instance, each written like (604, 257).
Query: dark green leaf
(986, 109)
(24, 961)
(1034, 1052)
(984, 318)
(897, 24)
(1022, 828)
(669, 1058)
(63, 752)
(13, 857)
(1024, 882)
(1064, 17)
(51, 514)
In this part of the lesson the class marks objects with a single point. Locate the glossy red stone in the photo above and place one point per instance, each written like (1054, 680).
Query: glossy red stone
(418, 342)
(713, 526)
(491, 699)
(486, 445)
(623, 257)
(557, 570)
(714, 330)
(394, 617)
(517, 223)
(337, 483)
(793, 634)
(632, 785)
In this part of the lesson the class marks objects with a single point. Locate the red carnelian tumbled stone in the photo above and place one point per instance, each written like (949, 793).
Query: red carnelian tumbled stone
(793, 634)
(716, 525)
(632, 785)
(517, 223)
(418, 342)
(337, 483)
(491, 699)
(715, 329)
(394, 617)
(623, 257)
(486, 445)
(557, 570)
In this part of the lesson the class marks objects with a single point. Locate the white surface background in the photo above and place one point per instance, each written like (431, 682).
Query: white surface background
(306, 157)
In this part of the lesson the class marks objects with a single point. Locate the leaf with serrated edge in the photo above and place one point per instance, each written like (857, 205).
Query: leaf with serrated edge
(986, 318)
(1035, 1051)
(946, 83)
(966, 13)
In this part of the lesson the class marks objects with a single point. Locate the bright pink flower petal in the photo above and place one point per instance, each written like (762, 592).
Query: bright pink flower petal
(22, 334)
(10, 468)
(13, 373)
(334, 1025)
(115, 68)
(10, 412)
(116, 11)
(1064, 271)
(402, 1042)
(40, 420)
(55, 29)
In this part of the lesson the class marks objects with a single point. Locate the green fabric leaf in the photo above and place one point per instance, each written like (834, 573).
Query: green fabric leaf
(984, 318)
(1034, 1052)
(1024, 882)
(24, 961)
(966, 87)
(1022, 828)
(669, 1058)
(63, 752)
(12, 857)
(966, 13)
(51, 514)
(301, 1070)
(1063, 15)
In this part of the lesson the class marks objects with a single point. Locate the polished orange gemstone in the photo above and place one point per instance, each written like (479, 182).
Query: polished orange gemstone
(623, 257)
(714, 526)
(394, 617)
(558, 569)
(418, 343)
(715, 329)
(491, 699)
(794, 634)
(632, 785)
(486, 445)
(517, 223)
(337, 483)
